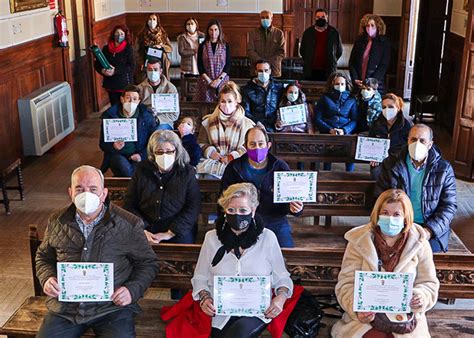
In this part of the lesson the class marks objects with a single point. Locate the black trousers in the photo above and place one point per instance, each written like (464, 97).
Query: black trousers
(240, 327)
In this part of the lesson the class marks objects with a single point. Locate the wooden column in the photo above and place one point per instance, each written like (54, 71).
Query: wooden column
(463, 140)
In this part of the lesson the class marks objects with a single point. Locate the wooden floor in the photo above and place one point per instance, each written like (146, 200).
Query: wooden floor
(46, 182)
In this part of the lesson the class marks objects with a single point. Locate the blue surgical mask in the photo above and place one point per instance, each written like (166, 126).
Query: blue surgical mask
(119, 38)
(266, 23)
(263, 77)
(391, 225)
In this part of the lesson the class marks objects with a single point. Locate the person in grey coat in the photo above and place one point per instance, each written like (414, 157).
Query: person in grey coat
(94, 230)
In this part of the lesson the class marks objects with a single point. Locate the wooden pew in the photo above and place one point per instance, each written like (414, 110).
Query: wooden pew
(316, 269)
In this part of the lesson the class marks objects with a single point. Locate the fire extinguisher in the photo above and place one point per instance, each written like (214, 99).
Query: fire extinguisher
(61, 29)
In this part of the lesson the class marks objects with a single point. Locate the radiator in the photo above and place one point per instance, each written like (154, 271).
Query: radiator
(46, 117)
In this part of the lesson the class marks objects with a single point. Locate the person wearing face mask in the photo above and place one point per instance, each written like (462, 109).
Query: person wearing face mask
(164, 191)
(222, 133)
(188, 45)
(293, 95)
(370, 56)
(390, 242)
(213, 63)
(268, 43)
(122, 157)
(119, 53)
(157, 83)
(369, 104)
(92, 229)
(336, 111)
(260, 96)
(240, 245)
(428, 180)
(186, 129)
(153, 35)
(257, 166)
(390, 124)
(321, 47)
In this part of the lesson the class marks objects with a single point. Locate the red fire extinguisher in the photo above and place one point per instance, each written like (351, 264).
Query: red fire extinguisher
(61, 29)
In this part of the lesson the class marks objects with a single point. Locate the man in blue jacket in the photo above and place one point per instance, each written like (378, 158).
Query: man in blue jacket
(121, 157)
(429, 181)
(257, 167)
(261, 95)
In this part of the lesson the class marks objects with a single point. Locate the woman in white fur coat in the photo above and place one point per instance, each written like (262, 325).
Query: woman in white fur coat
(401, 246)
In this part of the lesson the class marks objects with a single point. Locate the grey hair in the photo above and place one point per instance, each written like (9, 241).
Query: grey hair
(239, 190)
(163, 136)
(422, 125)
(90, 168)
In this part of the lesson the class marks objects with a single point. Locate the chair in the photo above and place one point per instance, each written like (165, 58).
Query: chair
(6, 168)
(421, 101)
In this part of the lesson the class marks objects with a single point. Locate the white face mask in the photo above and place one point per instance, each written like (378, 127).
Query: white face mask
(129, 108)
(292, 97)
(340, 87)
(153, 75)
(87, 202)
(367, 94)
(185, 129)
(191, 28)
(418, 151)
(263, 77)
(152, 24)
(165, 161)
(389, 113)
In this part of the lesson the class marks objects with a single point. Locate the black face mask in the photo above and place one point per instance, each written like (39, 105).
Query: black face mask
(239, 222)
(321, 22)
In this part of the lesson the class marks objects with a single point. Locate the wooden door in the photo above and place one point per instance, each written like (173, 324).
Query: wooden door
(463, 141)
(78, 13)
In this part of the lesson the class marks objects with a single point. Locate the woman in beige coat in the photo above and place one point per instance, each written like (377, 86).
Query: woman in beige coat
(401, 246)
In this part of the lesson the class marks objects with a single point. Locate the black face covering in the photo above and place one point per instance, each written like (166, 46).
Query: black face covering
(239, 222)
(321, 22)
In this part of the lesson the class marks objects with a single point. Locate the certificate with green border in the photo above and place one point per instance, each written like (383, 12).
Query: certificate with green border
(120, 130)
(165, 103)
(372, 149)
(246, 296)
(85, 281)
(291, 186)
(291, 115)
(385, 292)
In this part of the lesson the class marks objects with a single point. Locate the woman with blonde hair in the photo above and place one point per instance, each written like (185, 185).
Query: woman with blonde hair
(390, 242)
(153, 36)
(370, 56)
(222, 134)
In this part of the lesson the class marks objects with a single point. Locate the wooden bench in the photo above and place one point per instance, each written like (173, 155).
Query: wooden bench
(7, 168)
(316, 269)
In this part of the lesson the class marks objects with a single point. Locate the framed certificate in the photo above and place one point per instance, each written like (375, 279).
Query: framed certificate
(165, 103)
(291, 115)
(120, 130)
(372, 149)
(85, 282)
(290, 186)
(386, 292)
(242, 295)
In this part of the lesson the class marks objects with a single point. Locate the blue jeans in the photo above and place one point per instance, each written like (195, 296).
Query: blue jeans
(349, 166)
(164, 126)
(118, 324)
(122, 166)
(282, 230)
(238, 327)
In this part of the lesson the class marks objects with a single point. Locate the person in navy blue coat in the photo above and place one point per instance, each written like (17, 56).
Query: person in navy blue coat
(336, 110)
(121, 157)
(257, 167)
(186, 129)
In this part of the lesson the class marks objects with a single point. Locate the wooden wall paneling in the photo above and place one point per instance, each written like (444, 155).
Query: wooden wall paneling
(403, 46)
(6, 132)
(463, 140)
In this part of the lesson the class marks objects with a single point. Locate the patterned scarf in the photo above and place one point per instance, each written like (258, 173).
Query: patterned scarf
(390, 256)
(224, 131)
(153, 37)
(365, 59)
(214, 62)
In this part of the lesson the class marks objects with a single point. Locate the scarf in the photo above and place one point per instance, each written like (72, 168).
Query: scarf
(390, 256)
(365, 59)
(230, 241)
(119, 48)
(225, 135)
(153, 37)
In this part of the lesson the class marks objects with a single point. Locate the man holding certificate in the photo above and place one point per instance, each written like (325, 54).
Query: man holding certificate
(239, 263)
(94, 263)
(388, 278)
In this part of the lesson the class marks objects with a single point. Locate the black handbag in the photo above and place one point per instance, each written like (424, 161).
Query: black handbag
(305, 319)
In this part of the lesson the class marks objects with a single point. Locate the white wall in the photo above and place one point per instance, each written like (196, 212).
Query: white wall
(458, 18)
(24, 26)
(108, 8)
(388, 7)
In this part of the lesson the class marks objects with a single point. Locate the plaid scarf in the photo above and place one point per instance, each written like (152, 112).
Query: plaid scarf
(225, 139)
(214, 63)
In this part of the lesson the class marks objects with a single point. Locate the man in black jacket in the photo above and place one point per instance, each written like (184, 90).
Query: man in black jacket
(321, 47)
(428, 180)
(261, 95)
(94, 230)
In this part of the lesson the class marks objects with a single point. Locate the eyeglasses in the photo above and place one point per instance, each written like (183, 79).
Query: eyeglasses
(167, 152)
